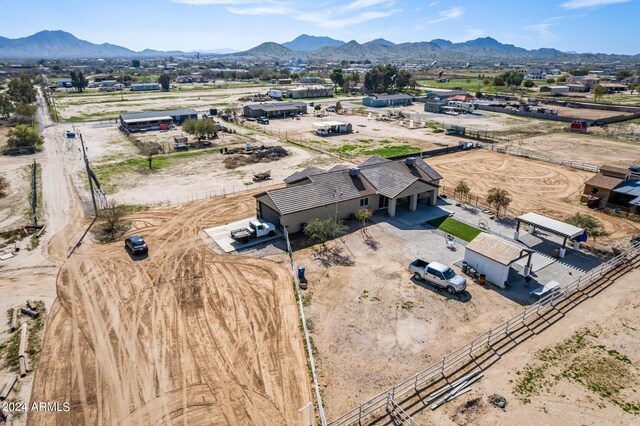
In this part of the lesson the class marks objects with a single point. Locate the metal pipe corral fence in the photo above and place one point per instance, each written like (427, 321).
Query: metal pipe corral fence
(436, 371)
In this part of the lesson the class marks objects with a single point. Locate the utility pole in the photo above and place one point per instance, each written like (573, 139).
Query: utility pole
(86, 163)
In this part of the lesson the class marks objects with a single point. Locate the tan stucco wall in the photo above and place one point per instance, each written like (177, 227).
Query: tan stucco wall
(345, 210)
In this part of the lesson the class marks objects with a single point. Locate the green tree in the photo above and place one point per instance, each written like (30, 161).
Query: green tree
(135, 63)
(462, 189)
(337, 77)
(20, 89)
(598, 91)
(590, 224)
(165, 82)
(498, 80)
(363, 215)
(479, 95)
(322, 230)
(25, 110)
(403, 79)
(6, 106)
(551, 80)
(513, 78)
(487, 81)
(23, 135)
(499, 198)
(78, 81)
(561, 79)
(622, 74)
(528, 83)
(200, 129)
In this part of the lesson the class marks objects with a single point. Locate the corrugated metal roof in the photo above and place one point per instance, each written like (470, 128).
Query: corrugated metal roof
(552, 225)
(303, 174)
(496, 248)
(631, 187)
(276, 106)
(390, 97)
(155, 114)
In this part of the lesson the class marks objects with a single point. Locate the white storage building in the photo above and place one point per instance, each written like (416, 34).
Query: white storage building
(493, 256)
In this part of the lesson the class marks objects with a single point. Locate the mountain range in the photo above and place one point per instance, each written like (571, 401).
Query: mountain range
(63, 45)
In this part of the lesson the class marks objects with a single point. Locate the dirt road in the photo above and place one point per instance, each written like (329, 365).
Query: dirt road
(184, 336)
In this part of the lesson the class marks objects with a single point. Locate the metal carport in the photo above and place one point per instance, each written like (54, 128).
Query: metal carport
(557, 227)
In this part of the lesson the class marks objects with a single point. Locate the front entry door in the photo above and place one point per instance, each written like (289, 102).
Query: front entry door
(383, 203)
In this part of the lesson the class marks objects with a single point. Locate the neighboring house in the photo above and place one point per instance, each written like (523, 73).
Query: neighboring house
(434, 106)
(535, 75)
(311, 79)
(588, 81)
(145, 120)
(614, 87)
(378, 183)
(312, 91)
(63, 82)
(379, 101)
(275, 109)
(139, 87)
(444, 95)
(614, 185)
(555, 90)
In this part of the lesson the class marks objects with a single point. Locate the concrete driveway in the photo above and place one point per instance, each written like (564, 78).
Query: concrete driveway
(221, 236)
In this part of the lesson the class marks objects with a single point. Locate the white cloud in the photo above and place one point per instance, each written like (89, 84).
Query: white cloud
(363, 4)
(448, 14)
(543, 31)
(433, 3)
(579, 4)
(260, 10)
(326, 21)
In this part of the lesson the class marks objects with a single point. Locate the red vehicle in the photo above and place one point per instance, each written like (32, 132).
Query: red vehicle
(578, 126)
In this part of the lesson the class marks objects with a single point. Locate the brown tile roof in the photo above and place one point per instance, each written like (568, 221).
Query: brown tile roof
(613, 169)
(604, 182)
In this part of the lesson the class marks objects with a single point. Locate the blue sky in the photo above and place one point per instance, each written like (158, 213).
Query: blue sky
(608, 26)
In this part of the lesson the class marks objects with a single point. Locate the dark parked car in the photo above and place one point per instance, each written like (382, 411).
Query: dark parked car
(136, 244)
(263, 120)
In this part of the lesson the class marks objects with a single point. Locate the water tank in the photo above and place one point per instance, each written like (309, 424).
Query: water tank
(355, 171)
(410, 161)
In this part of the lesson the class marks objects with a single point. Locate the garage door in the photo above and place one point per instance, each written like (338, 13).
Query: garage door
(270, 215)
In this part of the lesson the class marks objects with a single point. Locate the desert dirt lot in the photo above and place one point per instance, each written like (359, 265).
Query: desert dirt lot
(585, 148)
(533, 185)
(373, 325)
(586, 113)
(184, 335)
(557, 390)
(101, 105)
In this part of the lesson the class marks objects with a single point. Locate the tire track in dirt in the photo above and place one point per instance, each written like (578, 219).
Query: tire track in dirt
(185, 336)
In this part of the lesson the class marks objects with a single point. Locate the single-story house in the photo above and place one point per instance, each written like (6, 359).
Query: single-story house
(615, 185)
(444, 95)
(311, 79)
(493, 256)
(311, 91)
(379, 101)
(334, 127)
(555, 90)
(63, 82)
(614, 87)
(139, 87)
(434, 106)
(140, 120)
(378, 183)
(275, 109)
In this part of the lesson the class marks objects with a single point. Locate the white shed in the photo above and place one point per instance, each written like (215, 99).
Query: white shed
(493, 256)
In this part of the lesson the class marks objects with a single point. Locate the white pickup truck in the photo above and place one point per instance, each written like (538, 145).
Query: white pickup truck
(439, 275)
(256, 229)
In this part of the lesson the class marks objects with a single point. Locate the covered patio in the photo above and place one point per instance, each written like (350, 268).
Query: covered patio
(562, 229)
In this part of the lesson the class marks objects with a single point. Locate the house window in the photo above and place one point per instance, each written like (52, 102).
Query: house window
(364, 202)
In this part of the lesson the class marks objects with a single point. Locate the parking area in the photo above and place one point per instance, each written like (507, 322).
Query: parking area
(365, 308)
(221, 235)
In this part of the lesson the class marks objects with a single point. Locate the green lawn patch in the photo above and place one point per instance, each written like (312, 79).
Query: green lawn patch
(392, 151)
(455, 228)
